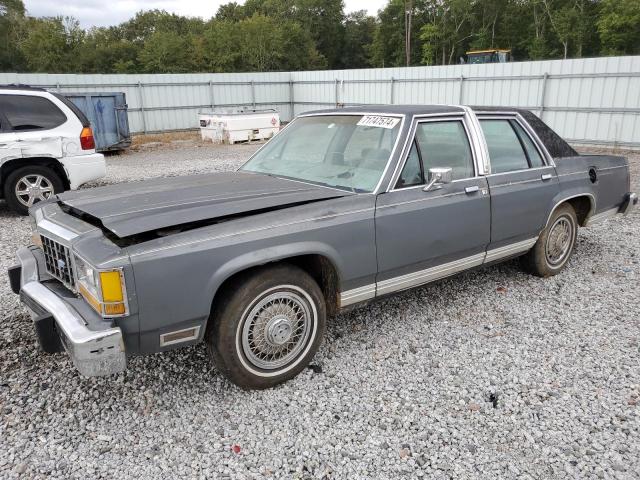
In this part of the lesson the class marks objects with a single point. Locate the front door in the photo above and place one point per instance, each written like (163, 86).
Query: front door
(521, 183)
(425, 235)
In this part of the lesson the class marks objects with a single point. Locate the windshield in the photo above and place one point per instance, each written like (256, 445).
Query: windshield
(348, 152)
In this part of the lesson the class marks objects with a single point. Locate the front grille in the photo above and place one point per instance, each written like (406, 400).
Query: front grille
(57, 260)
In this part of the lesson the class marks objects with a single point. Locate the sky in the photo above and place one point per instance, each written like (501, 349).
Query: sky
(100, 13)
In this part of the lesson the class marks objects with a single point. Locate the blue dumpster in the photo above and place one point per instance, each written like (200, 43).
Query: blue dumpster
(107, 113)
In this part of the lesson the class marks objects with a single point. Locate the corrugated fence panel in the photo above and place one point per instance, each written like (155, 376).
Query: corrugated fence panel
(594, 100)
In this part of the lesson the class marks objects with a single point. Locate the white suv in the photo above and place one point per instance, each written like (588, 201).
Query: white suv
(46, 146)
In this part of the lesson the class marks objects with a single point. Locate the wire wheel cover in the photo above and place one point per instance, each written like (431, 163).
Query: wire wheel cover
(276, 329)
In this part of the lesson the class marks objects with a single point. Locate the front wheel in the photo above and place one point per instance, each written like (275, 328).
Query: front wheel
(266, 326)
(555, 245)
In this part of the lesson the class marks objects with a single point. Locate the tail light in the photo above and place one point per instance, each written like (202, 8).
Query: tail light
(86, 139)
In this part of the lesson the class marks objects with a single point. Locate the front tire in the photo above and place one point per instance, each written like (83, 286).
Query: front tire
(555, 245)
(29, 185)
(266, 326)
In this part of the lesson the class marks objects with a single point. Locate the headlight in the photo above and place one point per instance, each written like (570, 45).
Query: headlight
(104, 290)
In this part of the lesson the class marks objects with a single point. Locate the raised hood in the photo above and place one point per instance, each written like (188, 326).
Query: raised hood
(133, 208)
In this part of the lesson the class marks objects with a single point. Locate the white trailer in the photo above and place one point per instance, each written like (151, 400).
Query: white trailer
(240, 126)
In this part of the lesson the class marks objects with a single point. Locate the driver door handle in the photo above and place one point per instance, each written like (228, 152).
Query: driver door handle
(546, 176)
(471, 189)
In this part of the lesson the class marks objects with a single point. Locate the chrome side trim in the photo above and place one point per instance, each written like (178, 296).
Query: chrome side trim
(414, 279)
(194, 336)
(600, 217)
(349, 297)
(509, 250)
(430, 274)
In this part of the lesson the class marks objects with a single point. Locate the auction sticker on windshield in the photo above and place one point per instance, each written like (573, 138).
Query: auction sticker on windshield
(378, 121)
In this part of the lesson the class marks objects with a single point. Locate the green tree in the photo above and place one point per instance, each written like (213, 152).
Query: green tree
(12, 17)
(359, 31)
(166, 52)
(52, 44)
(619, 27)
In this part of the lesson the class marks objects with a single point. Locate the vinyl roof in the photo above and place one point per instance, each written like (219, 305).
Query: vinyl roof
(409, 110)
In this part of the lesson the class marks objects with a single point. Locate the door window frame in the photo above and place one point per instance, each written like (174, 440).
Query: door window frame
(462, 118)
(547, 160)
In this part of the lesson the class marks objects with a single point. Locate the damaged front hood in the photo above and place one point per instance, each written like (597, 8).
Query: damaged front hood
(134, 208)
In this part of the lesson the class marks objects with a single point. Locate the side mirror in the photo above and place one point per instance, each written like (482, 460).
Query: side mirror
(438, 177)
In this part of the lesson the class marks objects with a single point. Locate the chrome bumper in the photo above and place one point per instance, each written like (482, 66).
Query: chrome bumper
(630, 202)
(92, 352)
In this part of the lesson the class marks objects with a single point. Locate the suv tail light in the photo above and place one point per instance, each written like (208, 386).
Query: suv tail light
(86, 139)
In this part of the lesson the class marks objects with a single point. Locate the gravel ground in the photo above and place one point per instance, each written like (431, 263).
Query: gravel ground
(488, 374)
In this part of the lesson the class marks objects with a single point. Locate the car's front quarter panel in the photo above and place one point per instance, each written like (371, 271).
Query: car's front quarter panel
(178, 276)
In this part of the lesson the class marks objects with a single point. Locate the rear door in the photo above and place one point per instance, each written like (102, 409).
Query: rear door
(425, 235)
(522, 185)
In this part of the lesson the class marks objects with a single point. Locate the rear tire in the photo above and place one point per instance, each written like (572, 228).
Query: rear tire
(29, 185)
(555, 245)
(266, 326)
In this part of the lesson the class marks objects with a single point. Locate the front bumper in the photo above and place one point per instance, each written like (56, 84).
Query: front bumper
(58, 324)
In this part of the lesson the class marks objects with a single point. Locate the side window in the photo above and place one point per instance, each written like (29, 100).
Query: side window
(25, 112)
(532, 152)
(505, 150)
(445, 144)
(412, 172)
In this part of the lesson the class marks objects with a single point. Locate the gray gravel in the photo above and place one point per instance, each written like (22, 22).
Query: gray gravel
(488, 374)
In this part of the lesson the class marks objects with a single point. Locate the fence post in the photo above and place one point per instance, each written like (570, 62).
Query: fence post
(292, 103)
(336, 93)
(212, 98)
(393, 83)
(543, 94)
(141, 95)
(253, 94)
(460, 94)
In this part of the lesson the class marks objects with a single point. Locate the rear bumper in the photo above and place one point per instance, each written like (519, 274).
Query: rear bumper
(84, 168)
(58, 325)
(631, 201)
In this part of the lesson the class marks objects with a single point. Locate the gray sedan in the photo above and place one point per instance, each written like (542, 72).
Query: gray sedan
(340, 208)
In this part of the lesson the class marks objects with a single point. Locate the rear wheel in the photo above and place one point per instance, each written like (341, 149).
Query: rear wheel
(555, 245)
(267, 326)
(29, 185)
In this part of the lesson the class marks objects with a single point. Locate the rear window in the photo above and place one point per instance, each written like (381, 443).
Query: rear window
(74, 108)
(24, 112)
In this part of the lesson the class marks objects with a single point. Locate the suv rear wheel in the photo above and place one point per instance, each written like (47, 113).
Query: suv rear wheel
(29, 185)
(267, 326)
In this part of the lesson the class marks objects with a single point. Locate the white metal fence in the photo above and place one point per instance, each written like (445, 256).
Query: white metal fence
(588, 101)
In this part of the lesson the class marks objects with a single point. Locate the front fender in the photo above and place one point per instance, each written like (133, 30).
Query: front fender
(269, 255)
